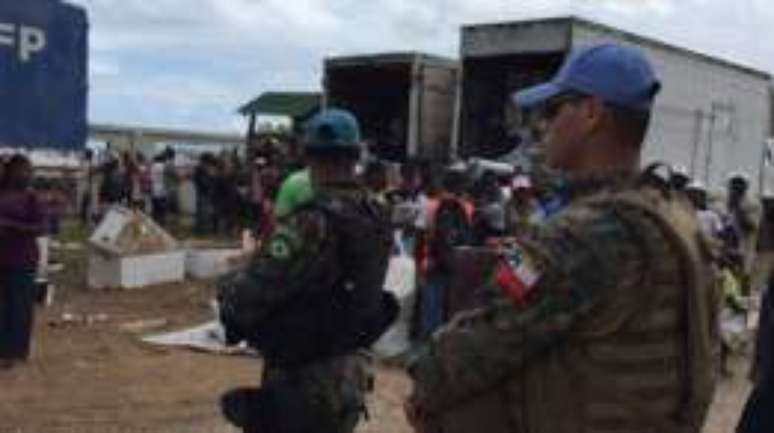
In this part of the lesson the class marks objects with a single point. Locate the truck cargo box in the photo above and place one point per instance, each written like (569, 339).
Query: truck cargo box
(404, 102)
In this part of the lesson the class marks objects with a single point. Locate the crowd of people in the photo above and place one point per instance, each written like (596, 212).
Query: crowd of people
(220, 182)
(733, 227)
(131, 181)
(232, 194)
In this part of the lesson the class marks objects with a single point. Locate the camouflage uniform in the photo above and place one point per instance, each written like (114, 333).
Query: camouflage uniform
(335, 390)
(614, 332)
(309, 299)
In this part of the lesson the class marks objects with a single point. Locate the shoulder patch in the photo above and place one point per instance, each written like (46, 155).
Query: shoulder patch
(279, 248)
(517, 273)
(283, 244)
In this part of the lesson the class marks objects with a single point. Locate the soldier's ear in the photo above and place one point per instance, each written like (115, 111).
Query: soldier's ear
(590, 115)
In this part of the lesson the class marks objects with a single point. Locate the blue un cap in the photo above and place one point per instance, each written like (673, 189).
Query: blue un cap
(333, 131)
(621, 76)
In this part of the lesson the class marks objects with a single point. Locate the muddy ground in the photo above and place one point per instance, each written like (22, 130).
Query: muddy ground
(92, 375)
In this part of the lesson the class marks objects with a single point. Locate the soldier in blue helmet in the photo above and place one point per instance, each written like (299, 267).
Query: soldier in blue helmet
(313, 296)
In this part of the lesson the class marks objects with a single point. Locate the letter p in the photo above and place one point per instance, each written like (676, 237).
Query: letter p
(31, 40)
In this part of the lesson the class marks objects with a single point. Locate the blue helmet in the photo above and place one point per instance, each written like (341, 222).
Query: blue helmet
(333, 132)
(620, 75)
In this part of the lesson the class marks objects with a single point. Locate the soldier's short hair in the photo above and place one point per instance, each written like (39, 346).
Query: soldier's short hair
(631, 125)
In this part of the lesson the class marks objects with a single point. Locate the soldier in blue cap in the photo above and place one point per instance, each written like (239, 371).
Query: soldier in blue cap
(602, 320)
(313, 296)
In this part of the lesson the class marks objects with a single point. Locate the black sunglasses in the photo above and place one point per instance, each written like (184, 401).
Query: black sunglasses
(552, 107)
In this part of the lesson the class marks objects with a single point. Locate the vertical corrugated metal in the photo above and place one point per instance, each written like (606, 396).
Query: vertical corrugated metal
(437, 110)
(413, 129)
(457, 113)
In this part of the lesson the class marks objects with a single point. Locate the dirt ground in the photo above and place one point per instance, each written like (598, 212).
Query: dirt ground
(97, 377)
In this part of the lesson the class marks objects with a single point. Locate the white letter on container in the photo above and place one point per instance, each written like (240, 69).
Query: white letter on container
(31, 40)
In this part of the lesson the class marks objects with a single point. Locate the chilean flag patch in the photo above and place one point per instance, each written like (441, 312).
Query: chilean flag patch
(517, 275)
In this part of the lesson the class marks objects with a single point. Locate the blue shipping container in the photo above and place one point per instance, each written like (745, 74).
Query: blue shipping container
(43, 74)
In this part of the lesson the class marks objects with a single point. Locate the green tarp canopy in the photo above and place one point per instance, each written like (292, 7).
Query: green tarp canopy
(297, 105)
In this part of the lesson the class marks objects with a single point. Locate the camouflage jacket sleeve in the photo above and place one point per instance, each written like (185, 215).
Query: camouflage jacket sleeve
(583, 254)
(295, 259)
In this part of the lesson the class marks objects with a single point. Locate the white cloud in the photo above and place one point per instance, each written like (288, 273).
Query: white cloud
(100, 68)
(632, 7)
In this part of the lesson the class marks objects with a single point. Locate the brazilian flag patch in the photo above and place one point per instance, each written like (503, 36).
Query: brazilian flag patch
(518, 273)
(279, 248)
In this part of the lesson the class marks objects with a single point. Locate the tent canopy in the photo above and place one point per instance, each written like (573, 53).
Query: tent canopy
(297, 105)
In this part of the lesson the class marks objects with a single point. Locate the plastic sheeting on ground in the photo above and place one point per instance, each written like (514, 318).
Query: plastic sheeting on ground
(209, 337)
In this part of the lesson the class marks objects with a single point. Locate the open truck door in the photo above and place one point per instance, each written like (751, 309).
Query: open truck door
(405, 102)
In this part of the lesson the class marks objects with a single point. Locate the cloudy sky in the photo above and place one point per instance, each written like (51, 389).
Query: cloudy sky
(191, 63)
